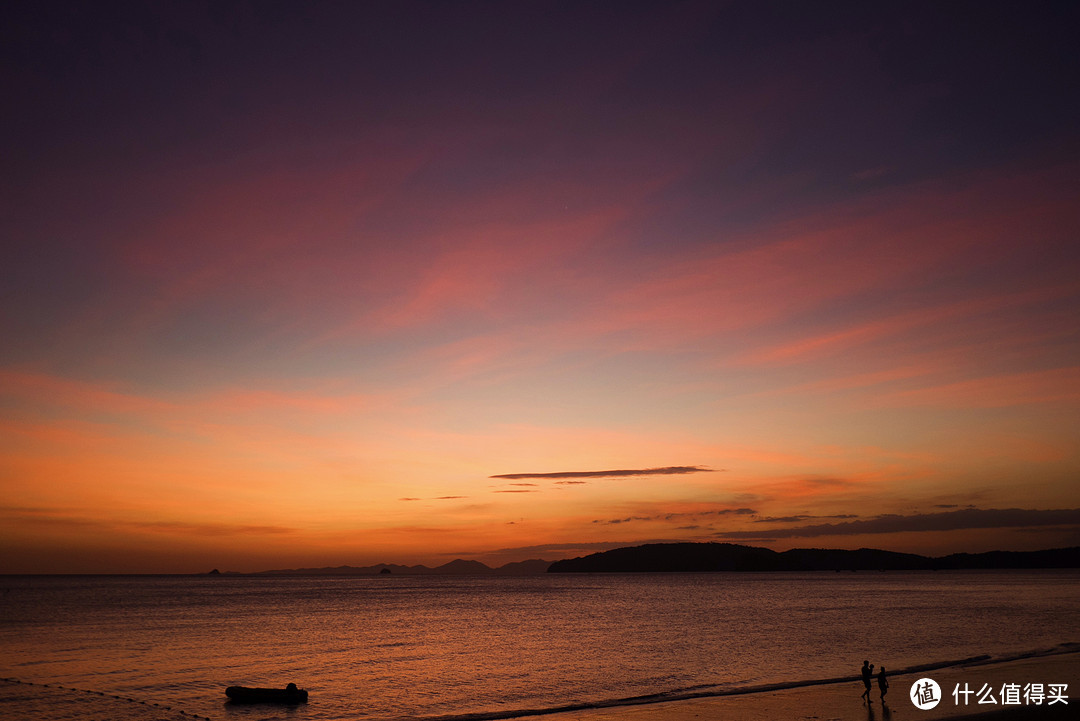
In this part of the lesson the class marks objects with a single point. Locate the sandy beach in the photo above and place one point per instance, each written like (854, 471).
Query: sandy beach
(841, 701)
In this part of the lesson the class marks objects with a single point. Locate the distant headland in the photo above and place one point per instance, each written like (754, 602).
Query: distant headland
(706, 557)
(713, 557)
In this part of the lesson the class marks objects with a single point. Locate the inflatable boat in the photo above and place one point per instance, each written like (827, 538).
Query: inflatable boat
(245, 694)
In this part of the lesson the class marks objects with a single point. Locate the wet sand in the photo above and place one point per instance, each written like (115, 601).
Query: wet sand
(842, 702)
(26, 701)
(829, 701)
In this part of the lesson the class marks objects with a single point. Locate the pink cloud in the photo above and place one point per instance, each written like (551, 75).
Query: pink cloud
(898, 244)
(1058, 385)
(926, 345)
(58, 391)
(103, 397)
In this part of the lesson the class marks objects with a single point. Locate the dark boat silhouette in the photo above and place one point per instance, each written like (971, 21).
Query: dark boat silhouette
(288, 695)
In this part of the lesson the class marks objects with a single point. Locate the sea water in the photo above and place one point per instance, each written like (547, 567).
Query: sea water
(393, 647)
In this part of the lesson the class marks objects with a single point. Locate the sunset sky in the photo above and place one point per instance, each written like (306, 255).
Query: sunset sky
(311, 284)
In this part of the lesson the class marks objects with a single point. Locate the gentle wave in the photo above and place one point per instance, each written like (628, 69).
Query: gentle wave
(57, 702)
(697, 692)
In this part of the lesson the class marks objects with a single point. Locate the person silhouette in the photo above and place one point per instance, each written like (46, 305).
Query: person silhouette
(882, 683)
(867, 676)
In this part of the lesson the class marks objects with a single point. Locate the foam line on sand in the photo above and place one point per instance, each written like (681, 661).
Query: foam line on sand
(668, 703)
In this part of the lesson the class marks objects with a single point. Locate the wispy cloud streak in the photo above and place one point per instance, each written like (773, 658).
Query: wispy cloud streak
(625, 473)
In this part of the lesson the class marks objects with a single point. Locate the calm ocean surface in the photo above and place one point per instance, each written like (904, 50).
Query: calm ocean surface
(419, 647)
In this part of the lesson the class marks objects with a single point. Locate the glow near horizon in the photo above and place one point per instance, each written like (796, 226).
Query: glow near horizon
(251, 360)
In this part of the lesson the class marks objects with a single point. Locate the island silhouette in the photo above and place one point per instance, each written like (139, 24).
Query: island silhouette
(705, 557)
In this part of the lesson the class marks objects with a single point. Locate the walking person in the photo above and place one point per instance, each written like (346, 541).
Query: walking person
(867, 678)
(882, 684)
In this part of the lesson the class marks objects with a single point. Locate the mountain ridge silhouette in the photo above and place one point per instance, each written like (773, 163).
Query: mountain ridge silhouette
(710, 557)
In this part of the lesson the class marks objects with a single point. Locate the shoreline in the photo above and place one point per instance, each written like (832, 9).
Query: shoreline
(667, 702)
(839, 700)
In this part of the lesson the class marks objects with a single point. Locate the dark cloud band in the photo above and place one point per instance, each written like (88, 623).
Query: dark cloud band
(684, 515)
(797, 519)
(622, 473)
(967, 518)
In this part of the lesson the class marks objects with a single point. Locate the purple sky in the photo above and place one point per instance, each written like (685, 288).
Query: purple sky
(322, 283)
